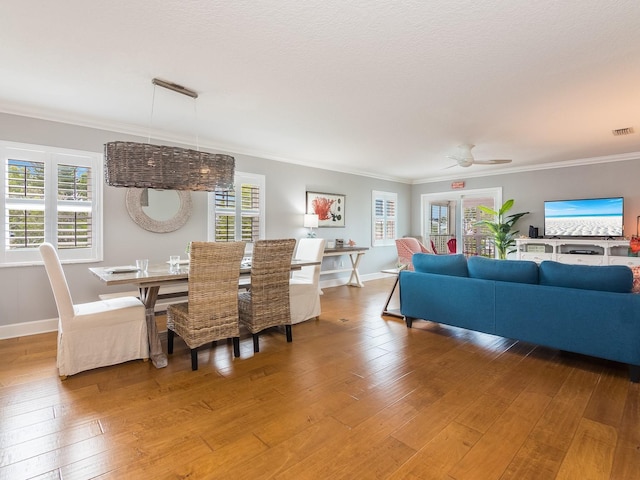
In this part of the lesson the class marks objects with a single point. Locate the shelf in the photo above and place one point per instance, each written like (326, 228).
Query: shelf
(608, 252)
(337, 270)
(354, 254)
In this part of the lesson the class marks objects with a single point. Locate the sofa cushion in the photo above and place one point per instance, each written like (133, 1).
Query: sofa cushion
(519, 271)
(454, 265)
(606, 278)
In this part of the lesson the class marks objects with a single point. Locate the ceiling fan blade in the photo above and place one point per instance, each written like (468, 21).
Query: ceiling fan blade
(450, 166)
(461, 161)
(494, 161)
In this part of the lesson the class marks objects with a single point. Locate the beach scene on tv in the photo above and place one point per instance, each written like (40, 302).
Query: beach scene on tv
(600, 217)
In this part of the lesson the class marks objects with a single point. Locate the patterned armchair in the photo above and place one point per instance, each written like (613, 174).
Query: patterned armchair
(406, 248)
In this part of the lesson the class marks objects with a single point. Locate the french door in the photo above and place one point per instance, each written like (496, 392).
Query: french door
(450, 215)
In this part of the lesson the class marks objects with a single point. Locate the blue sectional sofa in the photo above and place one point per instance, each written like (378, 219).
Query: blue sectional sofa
(589, 310)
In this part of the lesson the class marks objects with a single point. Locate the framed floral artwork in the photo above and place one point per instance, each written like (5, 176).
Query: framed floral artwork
(328, 206)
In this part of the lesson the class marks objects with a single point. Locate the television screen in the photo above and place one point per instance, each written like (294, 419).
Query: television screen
(591, 217)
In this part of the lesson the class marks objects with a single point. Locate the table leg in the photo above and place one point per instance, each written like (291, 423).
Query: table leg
(354, 279)
(394, 312)
(149, 295)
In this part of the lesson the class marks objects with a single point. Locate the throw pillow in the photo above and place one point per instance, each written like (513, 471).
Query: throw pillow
(636, 278)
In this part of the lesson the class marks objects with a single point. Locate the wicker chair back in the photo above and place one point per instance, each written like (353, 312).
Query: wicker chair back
(266, 304)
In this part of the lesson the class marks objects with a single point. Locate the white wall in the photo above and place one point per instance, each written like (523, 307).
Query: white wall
(25, 295)
(531, 189)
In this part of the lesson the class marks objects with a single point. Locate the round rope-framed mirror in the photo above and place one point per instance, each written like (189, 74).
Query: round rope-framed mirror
(171, 211)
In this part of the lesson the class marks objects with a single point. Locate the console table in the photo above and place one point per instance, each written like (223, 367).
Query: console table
(576, 251)
(355, 254)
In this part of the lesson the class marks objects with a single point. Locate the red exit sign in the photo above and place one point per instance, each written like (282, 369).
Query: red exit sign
(457, 185)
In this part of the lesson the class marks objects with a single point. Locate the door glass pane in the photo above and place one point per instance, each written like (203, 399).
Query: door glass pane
(477, 240)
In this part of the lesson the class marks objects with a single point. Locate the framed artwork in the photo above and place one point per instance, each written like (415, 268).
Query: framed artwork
(328, 206)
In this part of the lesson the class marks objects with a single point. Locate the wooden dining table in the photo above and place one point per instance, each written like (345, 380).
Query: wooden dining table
(149, 283)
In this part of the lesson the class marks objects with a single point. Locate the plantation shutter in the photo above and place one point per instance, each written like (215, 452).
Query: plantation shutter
(238, 214)
(74, 207)
(477, 240)
(25, 204)
(250, 212)
(225, 216)
(384, 218)
(49, 195)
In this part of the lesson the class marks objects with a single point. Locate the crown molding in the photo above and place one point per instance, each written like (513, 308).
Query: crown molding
(622, 157)
(137, 131)
(134, 130)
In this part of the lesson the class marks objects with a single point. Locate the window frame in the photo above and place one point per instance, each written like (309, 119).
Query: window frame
(52, 157)
(377, 195)
(239, 178)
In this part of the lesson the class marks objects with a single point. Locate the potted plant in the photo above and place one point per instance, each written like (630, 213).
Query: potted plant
(503, 237)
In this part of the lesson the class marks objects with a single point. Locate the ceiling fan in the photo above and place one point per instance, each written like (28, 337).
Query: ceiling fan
(464, 158)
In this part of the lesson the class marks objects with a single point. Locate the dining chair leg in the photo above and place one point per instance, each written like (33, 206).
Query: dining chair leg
(194, 359)
(287, 329)
(256, 343)
(236, 347)
(170, 336)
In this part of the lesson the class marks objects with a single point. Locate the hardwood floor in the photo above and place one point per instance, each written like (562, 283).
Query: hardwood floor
(356, 395)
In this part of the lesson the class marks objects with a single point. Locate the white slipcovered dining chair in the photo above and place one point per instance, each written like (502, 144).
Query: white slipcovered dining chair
(94, 334)
(304, 285)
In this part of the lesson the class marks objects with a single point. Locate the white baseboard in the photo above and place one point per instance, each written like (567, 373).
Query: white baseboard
(28, 328)
(51, 325)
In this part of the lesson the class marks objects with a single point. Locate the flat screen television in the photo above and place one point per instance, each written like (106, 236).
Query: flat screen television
(588, 217)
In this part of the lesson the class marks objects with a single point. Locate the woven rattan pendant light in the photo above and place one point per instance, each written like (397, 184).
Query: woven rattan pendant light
(142, 165)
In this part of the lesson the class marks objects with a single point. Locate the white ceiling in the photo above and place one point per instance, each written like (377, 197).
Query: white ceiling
(385, 88)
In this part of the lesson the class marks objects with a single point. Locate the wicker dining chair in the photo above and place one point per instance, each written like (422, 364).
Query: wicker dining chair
(266, 304)
(211, 312)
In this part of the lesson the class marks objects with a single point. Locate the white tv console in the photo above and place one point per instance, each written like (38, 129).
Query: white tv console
(605, 252)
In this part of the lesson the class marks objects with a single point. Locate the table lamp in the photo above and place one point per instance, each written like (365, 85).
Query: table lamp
(311, 222)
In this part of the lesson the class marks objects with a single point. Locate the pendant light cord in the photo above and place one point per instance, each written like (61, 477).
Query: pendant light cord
(195, 113)
(153, 102)
(195, 110)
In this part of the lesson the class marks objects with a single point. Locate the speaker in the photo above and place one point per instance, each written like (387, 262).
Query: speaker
(533, 231)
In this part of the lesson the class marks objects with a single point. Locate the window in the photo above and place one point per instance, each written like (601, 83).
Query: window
(439, 219)
(441, 224)
(51, 195)
(385, 218)
(239, 213)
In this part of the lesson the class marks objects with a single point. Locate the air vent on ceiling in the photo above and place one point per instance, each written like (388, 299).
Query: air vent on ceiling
(623, 131)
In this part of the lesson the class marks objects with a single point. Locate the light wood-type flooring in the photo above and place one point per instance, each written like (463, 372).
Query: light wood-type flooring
(355, 396)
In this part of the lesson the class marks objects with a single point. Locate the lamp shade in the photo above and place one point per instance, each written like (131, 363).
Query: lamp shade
(142, 165)
(311, 220)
